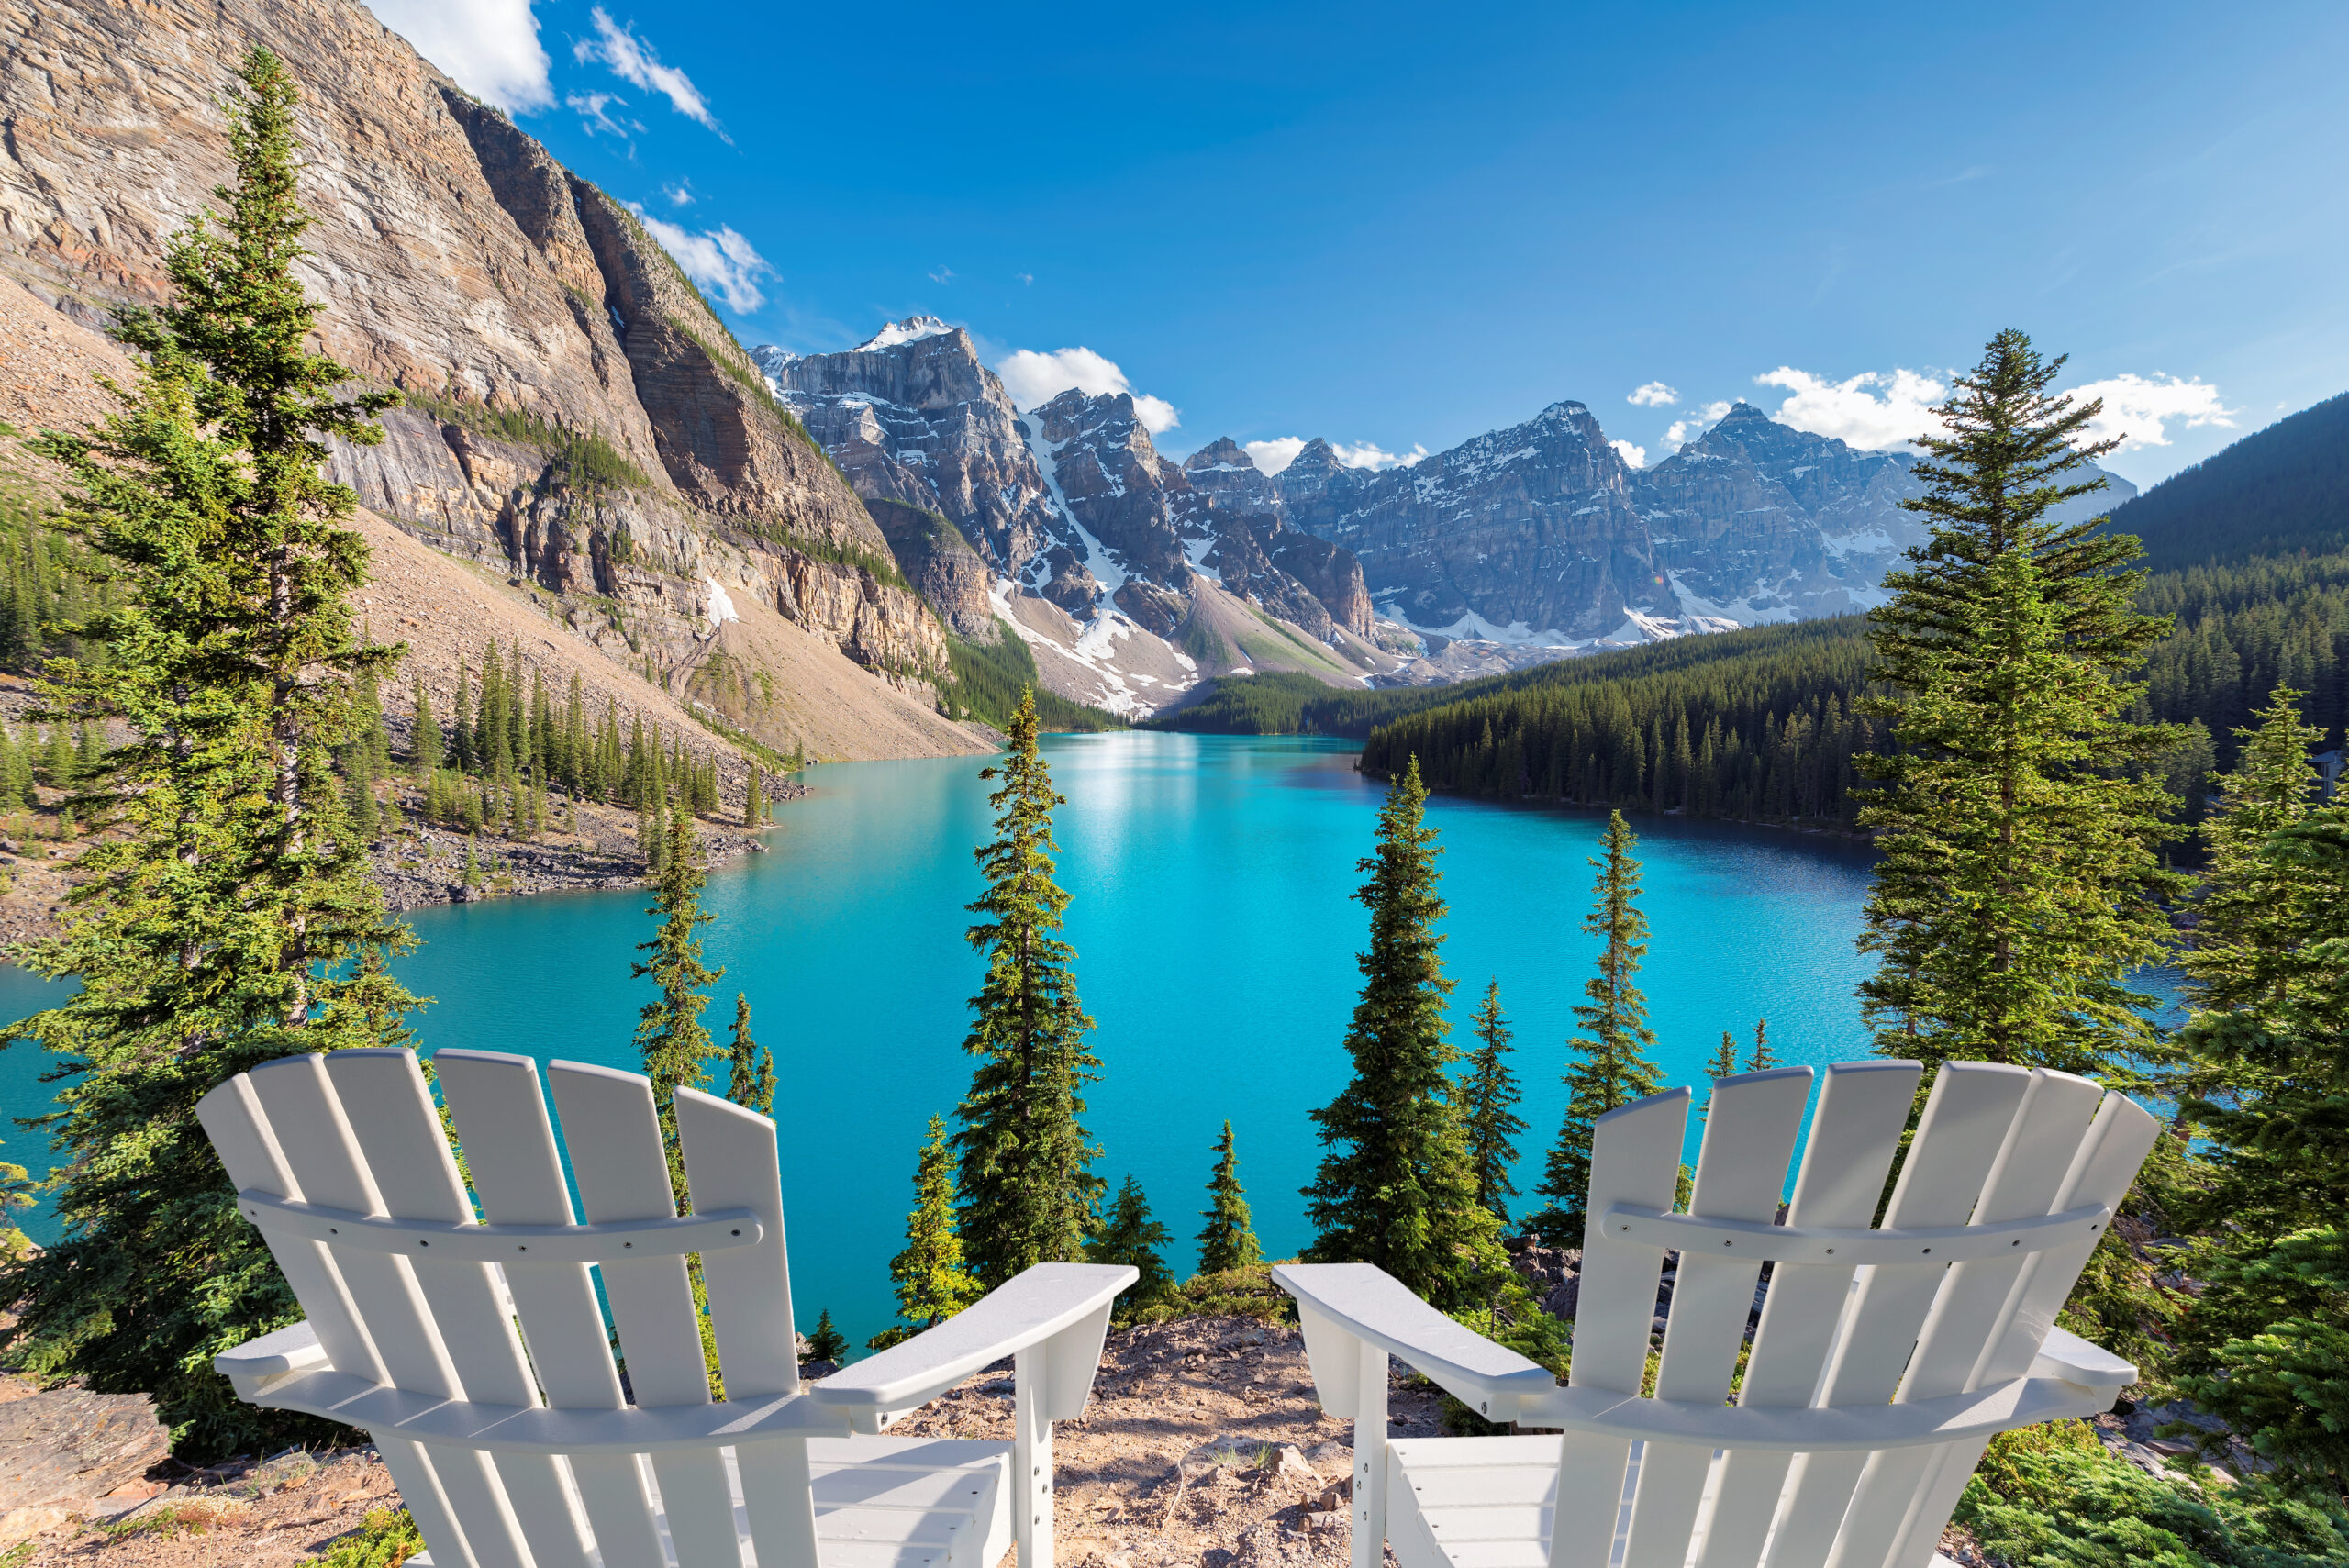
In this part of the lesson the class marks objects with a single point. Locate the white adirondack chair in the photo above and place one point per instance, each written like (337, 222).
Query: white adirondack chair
(1885, 1360)
(523, 1450)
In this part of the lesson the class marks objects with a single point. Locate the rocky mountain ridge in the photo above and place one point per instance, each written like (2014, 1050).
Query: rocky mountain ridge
(1128, 583)
(1541, 536)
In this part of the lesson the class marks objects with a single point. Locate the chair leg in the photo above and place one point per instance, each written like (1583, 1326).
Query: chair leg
(1031, 1460)
(1370, 1459)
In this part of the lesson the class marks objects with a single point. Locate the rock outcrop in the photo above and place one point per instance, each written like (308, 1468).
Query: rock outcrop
(580, 421)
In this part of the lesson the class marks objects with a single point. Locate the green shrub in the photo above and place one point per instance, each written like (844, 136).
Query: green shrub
(386, 1539)
(2055, 1494)
(1242, 1293)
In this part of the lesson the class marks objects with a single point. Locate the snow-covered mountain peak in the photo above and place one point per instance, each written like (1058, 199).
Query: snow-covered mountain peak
(912, 329)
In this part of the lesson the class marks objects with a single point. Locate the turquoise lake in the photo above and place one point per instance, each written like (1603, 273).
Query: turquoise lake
(1216, 933)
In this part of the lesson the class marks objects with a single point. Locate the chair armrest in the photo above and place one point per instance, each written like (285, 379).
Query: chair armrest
(261, 1360)
(1065, 1306)
(1370, 1305)
(2073, 1359)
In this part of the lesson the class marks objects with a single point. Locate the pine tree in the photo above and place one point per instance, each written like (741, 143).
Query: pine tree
(461, 730)
(2263, 1345)
(572, 762)
(1763, 1058)
(426, 731)
(1127, 1235)
(1228, 1241)
(1396, 1187)
(1028, 1189)
(1724, 1062)
(2020, 812)
(217, 927)
(754, 805)
(753, 1083)
(669, 1035)
(1610, 1067)
(931, 1283)
(2250, 923)
(827, 1343)
(1487, 1097)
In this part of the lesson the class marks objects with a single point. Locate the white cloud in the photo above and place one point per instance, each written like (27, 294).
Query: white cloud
(1025, 277)
(1275, 455)
(1370, 454)
(590, 108)
(1633, 456)
(1032, 378)
(2140, 408)
(633, 61)
(1871, 410)
(679, 195)
(1654, 394)
(1879, 409)
(1682, 431)
(717, 259)
(945, 275)
(490, 47)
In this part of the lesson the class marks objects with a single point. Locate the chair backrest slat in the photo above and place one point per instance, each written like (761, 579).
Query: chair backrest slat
(500, 1111)
(234, 1119)
(1967, 1118)
(1855, 1131)
(731, 1162)
(2040, 1150)
(391, 1112)
(324, 1154)
(651, 1298)
(1634, 1158)
(1751, 1125)
(2116, 1144)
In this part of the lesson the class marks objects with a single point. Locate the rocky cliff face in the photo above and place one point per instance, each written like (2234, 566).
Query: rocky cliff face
(526, 311)
(914, 416)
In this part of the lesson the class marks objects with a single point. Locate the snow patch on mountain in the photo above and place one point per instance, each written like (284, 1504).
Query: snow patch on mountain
(912, 329)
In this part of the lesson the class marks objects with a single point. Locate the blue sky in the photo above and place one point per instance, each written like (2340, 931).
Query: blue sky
(1398, 226)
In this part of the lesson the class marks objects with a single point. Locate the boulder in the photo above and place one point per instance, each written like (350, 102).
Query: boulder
(67, 1452)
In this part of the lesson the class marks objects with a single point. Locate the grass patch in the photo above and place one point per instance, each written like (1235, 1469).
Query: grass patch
(583, 459)
(1205, 644)
(386, 1539)
(988, 681)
